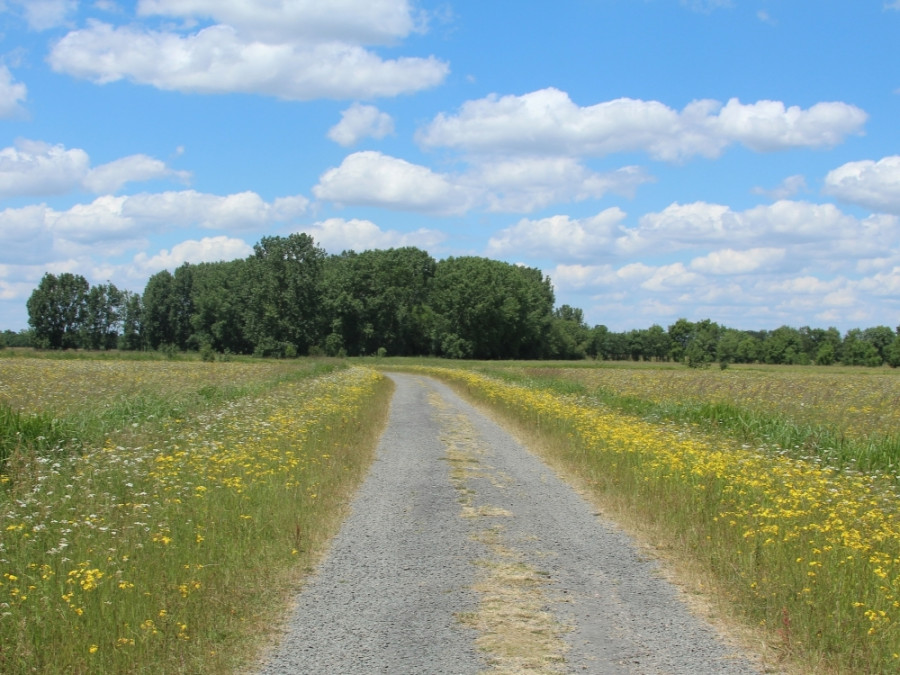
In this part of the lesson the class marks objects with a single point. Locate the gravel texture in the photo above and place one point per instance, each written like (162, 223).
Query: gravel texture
(451, 497)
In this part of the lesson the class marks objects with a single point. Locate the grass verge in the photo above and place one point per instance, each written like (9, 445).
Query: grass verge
(806, 556)
(180, 554)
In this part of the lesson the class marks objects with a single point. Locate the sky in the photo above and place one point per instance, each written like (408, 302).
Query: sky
(737, 160)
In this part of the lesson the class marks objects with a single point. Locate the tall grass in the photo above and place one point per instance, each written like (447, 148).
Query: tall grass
(173, 547)
(805, 554)
(815, 435)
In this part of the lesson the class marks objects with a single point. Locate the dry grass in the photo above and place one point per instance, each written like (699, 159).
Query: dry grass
(516, 630)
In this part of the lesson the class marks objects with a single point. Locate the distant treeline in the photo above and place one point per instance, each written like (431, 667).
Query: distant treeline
(290, 298)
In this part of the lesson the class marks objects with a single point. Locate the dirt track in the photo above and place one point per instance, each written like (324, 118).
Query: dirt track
(465, 554)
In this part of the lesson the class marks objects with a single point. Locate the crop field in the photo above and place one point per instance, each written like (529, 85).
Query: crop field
(804, 552)
(163, 525)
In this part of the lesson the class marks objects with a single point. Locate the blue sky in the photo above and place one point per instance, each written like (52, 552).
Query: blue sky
(737, 160)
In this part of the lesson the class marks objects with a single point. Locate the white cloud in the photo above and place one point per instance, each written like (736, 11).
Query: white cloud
(560, 237)
(374, 179)
(523, 184)
(235, 212)
(682, 226)
(789, 187)
(874, 185)
(208, 249)
(519, 184)
(766, 126)
(669, 277)
(359, 122)
(580, 276)
(12, 94)
(358, 21)
(35, 168)
(109, 178)
(548, 122)
(728, 261)
(336, 235)
(113, 224)
(44, 14)
(219, 59)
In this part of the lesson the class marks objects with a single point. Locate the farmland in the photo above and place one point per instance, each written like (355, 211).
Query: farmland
(154, 515)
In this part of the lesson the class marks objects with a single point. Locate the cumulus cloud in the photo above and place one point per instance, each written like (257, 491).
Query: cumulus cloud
(336, 235)
(517, 184)
(560, 238)
(111, 224)
(682, 226)
(34, 168)
(548, 122)
(112, 176)
(357, 21)
(44, 14)
(374, 179)
(786, 263)
(234, 212)
(12, 94)
(359, 122)
(729, 261)
(208, 249)
(297, 50)
(524, 184)
(874, 185)
(789, 187)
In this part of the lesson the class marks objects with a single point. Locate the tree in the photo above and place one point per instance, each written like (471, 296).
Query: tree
(377, 299)
(893, 351)
(569, 334)
(102, 317)
(284, 310)
(856, 351)
(159, 310)
(132, 337)
(657, 344)
(219, 302)
(487, 309)
(784, 345)
(703, 345)
(880, 337)
(56, 310)
(680, 334)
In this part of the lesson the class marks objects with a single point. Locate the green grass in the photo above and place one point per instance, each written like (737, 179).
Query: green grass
(176, 546)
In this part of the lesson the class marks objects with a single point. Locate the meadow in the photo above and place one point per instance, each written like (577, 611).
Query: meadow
(799, 545)
(156, 516)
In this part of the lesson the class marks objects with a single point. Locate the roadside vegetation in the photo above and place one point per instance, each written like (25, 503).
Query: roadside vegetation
(780, 495)
(156, 516)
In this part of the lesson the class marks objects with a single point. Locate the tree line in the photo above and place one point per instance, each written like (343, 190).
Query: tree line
(290, 298)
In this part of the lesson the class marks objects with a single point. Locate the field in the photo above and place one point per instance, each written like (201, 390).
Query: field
(156, 515)
(776, 488)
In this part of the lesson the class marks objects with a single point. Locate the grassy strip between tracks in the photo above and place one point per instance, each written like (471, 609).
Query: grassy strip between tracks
(807, 556)
(176, 550)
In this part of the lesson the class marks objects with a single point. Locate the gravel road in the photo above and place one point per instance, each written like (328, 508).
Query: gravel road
(463, 553)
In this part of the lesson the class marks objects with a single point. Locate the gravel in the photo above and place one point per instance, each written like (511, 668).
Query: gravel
(408, 566)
